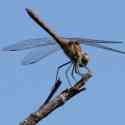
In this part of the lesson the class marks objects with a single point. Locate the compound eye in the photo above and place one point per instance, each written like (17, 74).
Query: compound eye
(85, 60)
(70, 43)
(76, 42)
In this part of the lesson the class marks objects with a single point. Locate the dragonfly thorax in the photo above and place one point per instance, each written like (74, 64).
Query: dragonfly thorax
(75, 53)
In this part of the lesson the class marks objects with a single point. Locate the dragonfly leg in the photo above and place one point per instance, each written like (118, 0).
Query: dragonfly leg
(89, 71)
(77, 71)
(66, 74)
(59, 67)
(72, 73)
(81, 74)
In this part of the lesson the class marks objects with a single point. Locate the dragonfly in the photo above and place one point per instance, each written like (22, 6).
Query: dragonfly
(71, 46)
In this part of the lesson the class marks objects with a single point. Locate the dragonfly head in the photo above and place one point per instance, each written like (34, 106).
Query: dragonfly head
(84, 60)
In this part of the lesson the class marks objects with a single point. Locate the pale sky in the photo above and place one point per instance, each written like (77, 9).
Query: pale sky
(23, 88)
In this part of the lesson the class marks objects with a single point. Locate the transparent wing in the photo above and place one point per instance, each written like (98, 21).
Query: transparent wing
(46, 46)
(99, 44)
(39, 53)
(29, 43)
(93, 41)
(43, 51)
(39, 42)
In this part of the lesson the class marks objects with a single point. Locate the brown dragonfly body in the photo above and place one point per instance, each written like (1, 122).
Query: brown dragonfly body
(74, 52)
(78, 58)
(72, 49)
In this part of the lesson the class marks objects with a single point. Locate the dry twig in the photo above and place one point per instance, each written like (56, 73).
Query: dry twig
(57, 102)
